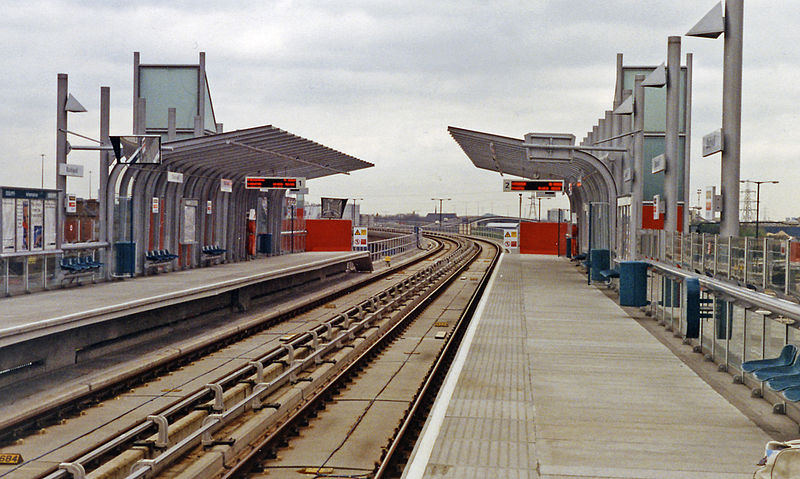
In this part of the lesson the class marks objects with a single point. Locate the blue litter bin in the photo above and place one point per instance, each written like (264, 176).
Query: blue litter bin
(569, 247)
(599, 261)
(125, 257)
(693, 312)
(633, 283)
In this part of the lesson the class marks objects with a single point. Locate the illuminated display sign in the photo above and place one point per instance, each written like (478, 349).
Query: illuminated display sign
(533, 185)
(263, 182)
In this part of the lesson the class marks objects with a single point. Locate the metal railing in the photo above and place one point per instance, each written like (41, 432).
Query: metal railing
(380, 249)
(764, 264)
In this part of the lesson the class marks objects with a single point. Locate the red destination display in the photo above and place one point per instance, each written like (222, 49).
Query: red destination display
(537, 185)
(258, 182)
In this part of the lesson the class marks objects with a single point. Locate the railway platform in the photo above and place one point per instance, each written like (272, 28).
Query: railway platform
(555, 380)
(48, 330)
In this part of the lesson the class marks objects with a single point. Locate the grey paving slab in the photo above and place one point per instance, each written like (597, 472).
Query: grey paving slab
(561, 383)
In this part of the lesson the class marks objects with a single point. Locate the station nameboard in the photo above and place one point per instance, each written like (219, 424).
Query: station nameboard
(533, 185)
(263, 182)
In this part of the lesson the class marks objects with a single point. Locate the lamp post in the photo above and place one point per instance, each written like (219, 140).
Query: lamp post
(353, 212)
(712, 26)
(440, 200)
(758, 195)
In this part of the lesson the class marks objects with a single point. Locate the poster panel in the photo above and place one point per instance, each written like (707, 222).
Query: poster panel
(23, 224)
(189, 222)
(9, 222)
(37, 225)
(50, 224)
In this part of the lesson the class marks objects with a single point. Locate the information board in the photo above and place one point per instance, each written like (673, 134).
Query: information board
(269, 183)
(8, 225)
(533, 185)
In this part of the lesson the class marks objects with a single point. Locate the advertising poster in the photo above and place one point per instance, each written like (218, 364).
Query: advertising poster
(9, 222)
(23, 224)
(37, 225)
(50, 224)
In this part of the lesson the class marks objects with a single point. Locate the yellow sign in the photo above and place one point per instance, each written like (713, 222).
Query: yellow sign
(441, 324)
(10, 459)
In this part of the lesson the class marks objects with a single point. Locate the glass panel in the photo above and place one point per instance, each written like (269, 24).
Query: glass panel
(754, 329)
(600, 225)
(737, 337)
(210, 121)
(721, 329)
(122, 219)
(794, 336)
(776, 264)
(776, 334)
(794, 268)
(169, 87)
(755, 262)
(16, 275)
(708, 324)
(708, 252)
(737, 258)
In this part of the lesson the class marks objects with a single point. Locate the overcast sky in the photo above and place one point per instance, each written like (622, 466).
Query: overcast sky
(382, 80)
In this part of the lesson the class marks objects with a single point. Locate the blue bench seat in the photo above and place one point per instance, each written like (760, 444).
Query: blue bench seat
(787, 356)
(609, 273)
(771, 372)
(213, 250)
(160, 256)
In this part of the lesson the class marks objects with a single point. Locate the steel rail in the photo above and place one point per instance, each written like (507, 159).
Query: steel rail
(245, 463)
(248, 370)
(441, 365)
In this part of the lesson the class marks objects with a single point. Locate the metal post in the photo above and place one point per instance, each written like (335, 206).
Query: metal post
(787, 264)
(764, 264)
(758, 203)
(687, 115)
(672, 155)
(731, 116)
(746, 259)
(638, 152)
(105, 161)
(61, 151)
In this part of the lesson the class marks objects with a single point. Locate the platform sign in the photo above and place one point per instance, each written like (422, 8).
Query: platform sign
(225, 186)
(360, 237)
(658, 163)
(533, 185)
(67, 169)
(72, 204)
(510, 239)
(154, 207)
(209, 207)
(174, 177)
(658, 207)
(270, 183)
(712, 143)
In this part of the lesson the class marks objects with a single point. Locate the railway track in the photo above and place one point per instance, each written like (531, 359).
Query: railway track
(269, 390)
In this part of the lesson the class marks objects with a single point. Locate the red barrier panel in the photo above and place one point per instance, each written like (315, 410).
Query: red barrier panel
(544, 238)
(648, 223)
(329, 235)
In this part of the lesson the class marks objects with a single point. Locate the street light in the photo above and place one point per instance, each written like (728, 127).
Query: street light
(714, 24)
(353, 215)
(440, 200)
(758, 195)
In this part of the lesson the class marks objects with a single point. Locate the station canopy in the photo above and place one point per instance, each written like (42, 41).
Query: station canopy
(510, 156)
(262, 150)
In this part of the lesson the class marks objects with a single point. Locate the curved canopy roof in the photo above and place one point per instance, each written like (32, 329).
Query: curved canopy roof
(263, 150)
(511, 156)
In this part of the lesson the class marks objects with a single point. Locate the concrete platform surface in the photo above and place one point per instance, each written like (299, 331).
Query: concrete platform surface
(29, 316)
(559, 382)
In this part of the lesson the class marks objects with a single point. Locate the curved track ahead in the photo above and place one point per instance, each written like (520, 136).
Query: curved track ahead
(285, 366)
